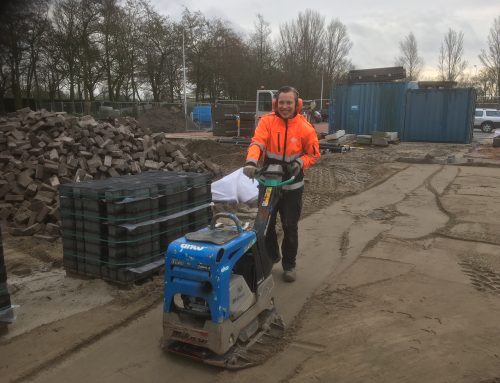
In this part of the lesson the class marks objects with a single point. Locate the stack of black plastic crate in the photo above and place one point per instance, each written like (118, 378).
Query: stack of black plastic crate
(5, 304)
(119, 229)
(225, 118)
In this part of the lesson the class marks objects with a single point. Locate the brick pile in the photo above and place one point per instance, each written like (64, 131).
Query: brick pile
(39, 150)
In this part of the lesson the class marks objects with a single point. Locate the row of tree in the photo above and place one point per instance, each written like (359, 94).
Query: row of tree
(451, 62)
(127, 51)
(84, 49)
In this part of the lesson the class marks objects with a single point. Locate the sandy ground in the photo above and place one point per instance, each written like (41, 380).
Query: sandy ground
(399, 277)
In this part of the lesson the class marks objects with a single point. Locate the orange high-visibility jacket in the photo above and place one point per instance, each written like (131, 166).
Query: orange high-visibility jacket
(284, 141)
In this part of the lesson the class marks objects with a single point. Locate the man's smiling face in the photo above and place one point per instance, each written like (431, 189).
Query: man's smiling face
(286, 105)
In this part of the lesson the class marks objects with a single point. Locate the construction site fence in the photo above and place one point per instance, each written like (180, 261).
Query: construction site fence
(103, 110)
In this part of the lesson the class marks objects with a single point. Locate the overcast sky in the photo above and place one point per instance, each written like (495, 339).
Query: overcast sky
(375, 26)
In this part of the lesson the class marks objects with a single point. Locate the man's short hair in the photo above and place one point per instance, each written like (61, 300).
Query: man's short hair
(287, 89)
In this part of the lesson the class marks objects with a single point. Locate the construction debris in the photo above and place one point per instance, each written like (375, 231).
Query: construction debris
(335, 136)
(340, 138)
(378, 138)
(41, 150)
(364, 139)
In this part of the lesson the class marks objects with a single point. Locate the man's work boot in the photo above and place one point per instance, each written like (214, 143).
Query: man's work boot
(289, 275)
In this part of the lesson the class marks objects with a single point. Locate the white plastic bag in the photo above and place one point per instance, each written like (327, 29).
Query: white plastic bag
(235, 187)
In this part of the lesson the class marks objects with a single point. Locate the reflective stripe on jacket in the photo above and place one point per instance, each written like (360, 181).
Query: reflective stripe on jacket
(283, 141)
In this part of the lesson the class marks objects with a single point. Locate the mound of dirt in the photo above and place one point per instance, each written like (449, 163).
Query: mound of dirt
(169, 119)
(228, 157)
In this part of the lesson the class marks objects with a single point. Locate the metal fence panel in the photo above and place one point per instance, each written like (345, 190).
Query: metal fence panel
(102, 109)
(439, 115)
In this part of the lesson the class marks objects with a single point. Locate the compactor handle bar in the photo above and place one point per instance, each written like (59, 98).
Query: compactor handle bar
(230, 216)
(270, 182)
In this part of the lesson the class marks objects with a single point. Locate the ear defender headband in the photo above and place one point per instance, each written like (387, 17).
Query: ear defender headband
(286, 89)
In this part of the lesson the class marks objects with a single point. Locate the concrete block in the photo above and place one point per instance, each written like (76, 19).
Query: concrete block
(54, 155)
(45, 196)
(24, 178)
(31, 190)
(112, 172)
(14, 198)
(42, 214)
(54, 181)
(30, 230)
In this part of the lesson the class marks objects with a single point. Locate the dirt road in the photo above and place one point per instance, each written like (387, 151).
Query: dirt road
(398, 283)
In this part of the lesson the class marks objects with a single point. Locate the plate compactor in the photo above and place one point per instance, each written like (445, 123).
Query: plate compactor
(219, 303)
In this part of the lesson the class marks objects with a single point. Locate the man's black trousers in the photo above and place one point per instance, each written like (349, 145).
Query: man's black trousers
(289, 207)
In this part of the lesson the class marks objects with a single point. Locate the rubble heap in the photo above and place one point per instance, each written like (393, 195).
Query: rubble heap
(40, 150)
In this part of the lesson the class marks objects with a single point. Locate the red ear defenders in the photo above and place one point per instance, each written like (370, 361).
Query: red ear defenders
(298, 104)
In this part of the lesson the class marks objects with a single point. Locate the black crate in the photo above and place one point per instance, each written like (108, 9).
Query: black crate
(4, 296)
(222, 112)
(225, 129)
(247, 117)
(199, 219)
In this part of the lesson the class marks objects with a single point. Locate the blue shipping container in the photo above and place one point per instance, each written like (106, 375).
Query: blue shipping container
(369, 107)
(439, 115)
(202, 114)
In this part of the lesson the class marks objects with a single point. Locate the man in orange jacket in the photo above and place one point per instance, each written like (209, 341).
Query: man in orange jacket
(285, 137)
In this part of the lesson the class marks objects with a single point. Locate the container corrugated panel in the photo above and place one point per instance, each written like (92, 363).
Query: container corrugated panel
(440, 115)
(369, 107)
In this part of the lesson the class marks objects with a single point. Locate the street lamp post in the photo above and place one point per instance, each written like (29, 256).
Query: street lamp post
(184, 74)
(321, 102)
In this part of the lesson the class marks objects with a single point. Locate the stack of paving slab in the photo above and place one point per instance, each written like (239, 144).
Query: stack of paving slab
(339, 137)
(364, 139)
(378, 138)
(384, 138)
(118, 229)
(5, 304)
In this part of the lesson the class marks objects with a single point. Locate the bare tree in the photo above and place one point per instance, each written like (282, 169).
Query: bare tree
(486, 83)
(195, 28)
(4, 80)
(162, 52)
(110, 35)
(301, 50)
(51, 68)
(134, 16)
(409, 58)
(14, 22)
(261, 53)
(65, 19)
(337, 47)
(491, 57)
(229, 74)
(451, 62)
(88, 33)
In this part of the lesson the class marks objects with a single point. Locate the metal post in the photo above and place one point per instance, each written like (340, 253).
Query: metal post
(184, 75)
(321, 107)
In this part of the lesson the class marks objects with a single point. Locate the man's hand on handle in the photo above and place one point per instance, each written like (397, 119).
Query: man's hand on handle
(249, 170)
(294, 168)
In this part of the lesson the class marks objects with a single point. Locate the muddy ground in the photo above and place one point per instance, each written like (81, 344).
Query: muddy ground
(403, 286)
